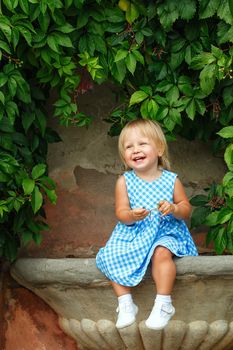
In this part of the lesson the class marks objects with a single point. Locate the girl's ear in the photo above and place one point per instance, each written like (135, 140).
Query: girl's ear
(161, 150)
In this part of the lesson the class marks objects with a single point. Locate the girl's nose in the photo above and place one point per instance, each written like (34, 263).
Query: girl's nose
(136, 149)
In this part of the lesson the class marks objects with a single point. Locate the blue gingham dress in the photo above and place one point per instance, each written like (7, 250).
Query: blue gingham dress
(128, 251)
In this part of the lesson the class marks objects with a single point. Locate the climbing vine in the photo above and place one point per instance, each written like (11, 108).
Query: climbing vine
(173, 61)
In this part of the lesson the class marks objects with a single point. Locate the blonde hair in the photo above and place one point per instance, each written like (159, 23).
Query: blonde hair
(153, 132)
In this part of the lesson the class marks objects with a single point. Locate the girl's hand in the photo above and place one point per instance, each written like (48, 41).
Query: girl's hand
(139, 213)
(166, 208)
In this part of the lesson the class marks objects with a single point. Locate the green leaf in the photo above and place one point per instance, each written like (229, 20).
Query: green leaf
(137, 97)
(212, 219)
(228, 177)
(2, 98)
(4, 46)
(38, 170)
(152, 108)
(144, 109)
(207, 78)
(198, 200)
(47, 182)
(228, 155)
(51, 195)
(28, 185)
(177, 58)
(228, 96)
(162, 113)
(229, 233)
(224, 12)
(6, 29)
(12, 86)
(220, 241)
(138, 56)
(230, 4)
(131, 13)
(37, 238)
(168, 13)
(36, 200)
(53, 43)
(44, 20)
(3, 79)
(65, 28)
(164, 86)
(23, 90)
(26, 34)
(24, 6)
(187, 9)
(198, 216)
(62, 39)
(202, 59)
(147, 89)
(172, 95)
(200, 106)
(184, 85)
(131, 63)
(207, 8)
(224, 33)
(121, 54)
(226, 132)
(139, 37)
(27, 120)
(191, 109)
(41, 121)
(224, 215)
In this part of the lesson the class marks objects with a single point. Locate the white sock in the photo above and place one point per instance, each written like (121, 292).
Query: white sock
(126, 298)
(160, 298)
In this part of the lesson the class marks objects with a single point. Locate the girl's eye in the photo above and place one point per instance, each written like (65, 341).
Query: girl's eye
(128, 146)
(143, 143)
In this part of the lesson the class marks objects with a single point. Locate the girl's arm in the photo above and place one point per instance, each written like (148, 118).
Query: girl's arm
(181, 207)
(122, 208)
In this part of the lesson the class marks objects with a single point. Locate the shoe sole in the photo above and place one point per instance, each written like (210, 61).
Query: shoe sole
(129, 324)
(160, 328)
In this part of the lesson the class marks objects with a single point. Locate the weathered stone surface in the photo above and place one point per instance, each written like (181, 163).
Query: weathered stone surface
(152, 340)
(83, 298)
(109, 332)
(195, 334)
(227, 341)
(217, 331)
(173, 335)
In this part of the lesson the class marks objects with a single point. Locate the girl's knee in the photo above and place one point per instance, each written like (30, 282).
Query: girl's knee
(162, 253)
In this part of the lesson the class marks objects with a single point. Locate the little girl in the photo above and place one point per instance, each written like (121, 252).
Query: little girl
(150, 205)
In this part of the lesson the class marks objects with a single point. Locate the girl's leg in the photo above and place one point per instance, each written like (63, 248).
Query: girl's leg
(163, 270)
(119, 289)
(164, 274)
(127, 310)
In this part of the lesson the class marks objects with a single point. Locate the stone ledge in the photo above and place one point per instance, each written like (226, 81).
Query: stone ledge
(64, 271)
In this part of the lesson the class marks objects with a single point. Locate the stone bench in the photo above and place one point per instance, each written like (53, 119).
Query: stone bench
(84, 300)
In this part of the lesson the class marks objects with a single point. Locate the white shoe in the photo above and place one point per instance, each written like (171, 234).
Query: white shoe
(126, 314)
(160, 315)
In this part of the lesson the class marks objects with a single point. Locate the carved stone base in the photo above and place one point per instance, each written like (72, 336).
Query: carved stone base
(196, 335)
(84, 300)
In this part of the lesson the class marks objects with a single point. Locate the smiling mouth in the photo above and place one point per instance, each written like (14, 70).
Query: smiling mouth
(136, 159)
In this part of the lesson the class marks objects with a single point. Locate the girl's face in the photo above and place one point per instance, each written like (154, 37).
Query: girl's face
(140, 153)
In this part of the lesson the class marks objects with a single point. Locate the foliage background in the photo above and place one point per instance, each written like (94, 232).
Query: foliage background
(173, 61)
